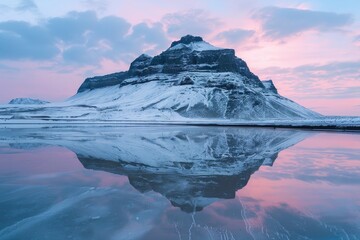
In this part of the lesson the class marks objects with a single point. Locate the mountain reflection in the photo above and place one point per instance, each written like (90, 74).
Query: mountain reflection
(191, 166)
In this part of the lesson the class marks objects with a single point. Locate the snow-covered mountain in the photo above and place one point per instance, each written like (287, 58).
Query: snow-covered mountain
(27, 101)
(191, 166)
(191, 79)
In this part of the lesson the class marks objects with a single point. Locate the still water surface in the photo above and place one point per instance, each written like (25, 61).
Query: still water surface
(178, 183)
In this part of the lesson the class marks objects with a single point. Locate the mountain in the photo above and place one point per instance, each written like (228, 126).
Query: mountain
(190, 80)
(191, 166)
(27, 101)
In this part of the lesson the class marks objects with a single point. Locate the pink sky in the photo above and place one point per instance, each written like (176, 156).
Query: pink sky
(309, 49)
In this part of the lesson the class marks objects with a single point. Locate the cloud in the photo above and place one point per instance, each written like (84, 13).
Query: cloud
(194, 22)
(20, 40)
(80, 38)
(151, 38)
(235, 36)
(27, 5)
(334, 69)
(81, 55)
(4, 67)
(72, 27)
(97, 4)
(332, 80)
(357, 38)
(4, 8)
(278, 23)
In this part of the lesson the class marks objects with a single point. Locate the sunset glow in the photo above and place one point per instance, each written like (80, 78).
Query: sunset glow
(310, 49)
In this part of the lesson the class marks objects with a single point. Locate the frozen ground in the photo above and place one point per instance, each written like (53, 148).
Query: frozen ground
(323, 123)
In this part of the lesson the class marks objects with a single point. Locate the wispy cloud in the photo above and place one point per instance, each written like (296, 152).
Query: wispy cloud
(4, 8)
(97, 4)
(235, 36)
(195, 22)
(357, 38)
(27, 5)
(279, 23)
(332, 80)
(4, 67)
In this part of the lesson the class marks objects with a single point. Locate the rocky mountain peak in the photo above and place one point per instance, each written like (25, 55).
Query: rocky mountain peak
(140, 62)
(189, 54)
(187, 40)
(269, 85)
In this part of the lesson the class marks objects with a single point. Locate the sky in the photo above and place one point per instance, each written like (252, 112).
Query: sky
(310, 49)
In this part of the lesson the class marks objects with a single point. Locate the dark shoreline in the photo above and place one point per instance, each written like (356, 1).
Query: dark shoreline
(114, 123)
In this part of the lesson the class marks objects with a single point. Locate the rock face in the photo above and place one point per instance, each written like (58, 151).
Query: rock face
(103, 81)
(27, 101)
(188, 39)
(189, 54)
(193, 79)
(269, 85)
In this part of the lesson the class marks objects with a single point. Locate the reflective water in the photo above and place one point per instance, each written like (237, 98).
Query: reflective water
(178, 183)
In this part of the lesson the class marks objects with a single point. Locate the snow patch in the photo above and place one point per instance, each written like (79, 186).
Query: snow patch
(195, 46)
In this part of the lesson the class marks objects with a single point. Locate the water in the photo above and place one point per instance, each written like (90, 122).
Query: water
(178, 183)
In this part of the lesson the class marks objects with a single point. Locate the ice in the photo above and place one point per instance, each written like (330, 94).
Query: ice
(202, 186)
(154, 158)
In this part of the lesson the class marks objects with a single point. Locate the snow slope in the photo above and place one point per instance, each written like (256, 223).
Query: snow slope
(195, 46)
(161, 97)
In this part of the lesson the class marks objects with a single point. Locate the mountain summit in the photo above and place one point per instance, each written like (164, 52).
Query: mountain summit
(189, 54)
(187, 40)
(191, 79)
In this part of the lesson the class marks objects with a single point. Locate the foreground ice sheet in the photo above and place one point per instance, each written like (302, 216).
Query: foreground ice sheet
(178, 183)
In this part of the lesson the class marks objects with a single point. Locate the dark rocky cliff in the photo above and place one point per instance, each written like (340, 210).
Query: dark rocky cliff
(180, 57)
